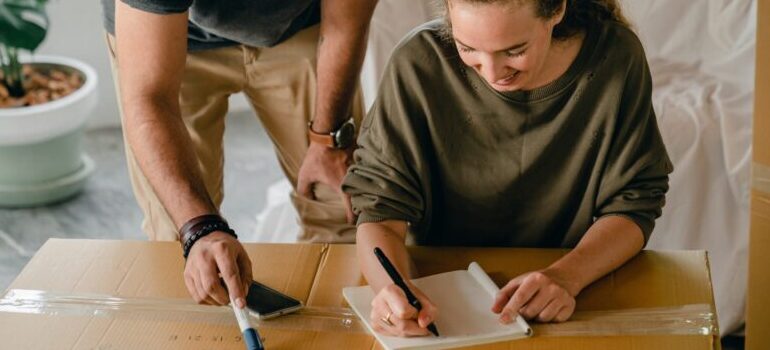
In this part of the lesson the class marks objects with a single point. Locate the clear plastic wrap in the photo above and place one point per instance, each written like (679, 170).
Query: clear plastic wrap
(696, 319)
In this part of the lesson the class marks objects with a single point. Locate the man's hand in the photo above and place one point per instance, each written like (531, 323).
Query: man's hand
(328, 166)
(344, 29)
(538, 295)
(218, 253)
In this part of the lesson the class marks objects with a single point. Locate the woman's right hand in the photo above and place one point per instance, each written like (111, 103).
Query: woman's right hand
(392, 315)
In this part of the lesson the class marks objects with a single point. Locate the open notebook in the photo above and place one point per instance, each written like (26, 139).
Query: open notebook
(464, 299)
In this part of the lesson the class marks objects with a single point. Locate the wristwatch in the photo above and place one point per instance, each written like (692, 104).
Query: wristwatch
(341, 138)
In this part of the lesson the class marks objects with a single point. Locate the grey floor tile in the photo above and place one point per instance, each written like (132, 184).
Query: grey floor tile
(106, 208)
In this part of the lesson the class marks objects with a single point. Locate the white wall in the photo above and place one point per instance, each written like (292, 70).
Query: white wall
(76, 31)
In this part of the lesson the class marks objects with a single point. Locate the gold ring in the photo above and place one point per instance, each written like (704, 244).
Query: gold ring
(386, 319)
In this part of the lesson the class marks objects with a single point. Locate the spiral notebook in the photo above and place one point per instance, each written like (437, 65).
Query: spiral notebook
(464, 299)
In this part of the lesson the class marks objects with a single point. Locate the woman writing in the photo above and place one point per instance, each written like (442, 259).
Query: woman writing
(510, 123)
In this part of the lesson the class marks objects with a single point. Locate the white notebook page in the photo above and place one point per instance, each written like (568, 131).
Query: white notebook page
(464, 299)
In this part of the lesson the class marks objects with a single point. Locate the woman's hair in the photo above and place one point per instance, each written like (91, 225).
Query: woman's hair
(579, 14)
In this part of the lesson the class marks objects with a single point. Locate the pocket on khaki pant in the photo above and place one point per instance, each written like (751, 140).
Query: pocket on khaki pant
(323, 219)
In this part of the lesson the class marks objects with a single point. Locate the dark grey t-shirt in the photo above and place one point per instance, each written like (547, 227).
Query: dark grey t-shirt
(218, 23)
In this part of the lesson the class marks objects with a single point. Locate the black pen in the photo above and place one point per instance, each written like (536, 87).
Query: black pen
(400, 283)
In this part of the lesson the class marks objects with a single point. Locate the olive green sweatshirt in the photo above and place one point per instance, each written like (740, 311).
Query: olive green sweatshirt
(466, 165)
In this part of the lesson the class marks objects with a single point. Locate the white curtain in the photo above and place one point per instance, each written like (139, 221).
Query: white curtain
(701, 56)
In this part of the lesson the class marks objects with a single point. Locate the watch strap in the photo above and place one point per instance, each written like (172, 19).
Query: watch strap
(324, 139)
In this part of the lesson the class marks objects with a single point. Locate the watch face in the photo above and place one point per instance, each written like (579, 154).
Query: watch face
(344, 137)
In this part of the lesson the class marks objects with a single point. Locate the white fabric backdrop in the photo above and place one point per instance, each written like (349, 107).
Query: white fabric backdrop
(702, 60)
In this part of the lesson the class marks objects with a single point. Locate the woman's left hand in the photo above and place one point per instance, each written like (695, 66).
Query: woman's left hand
(538, 295)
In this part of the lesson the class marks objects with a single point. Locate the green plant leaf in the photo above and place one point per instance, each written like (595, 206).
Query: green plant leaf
(23, 23)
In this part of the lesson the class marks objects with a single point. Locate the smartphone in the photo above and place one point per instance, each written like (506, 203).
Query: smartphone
(267, 302)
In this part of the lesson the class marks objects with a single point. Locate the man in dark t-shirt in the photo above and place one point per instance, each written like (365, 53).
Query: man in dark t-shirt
(176, 62)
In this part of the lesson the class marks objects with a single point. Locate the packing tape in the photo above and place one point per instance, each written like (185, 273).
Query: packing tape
(760, 178)
(169, 309)
(697, 319)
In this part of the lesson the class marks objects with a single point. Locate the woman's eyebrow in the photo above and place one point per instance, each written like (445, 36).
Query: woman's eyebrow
(514, 47)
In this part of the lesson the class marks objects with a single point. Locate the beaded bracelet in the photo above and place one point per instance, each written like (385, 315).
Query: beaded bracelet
(193, 224)
(202, 228)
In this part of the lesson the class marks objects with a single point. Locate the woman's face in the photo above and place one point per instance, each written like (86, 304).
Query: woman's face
(504, 42)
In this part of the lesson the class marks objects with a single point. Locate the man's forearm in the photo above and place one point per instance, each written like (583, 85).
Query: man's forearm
(609, 243)
(341, 51)
(163, 150)
(149, 94)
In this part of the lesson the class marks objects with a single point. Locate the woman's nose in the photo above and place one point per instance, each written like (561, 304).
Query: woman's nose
(492, 69)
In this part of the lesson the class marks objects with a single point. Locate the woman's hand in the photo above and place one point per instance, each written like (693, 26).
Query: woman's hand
(539, 295)
(392, 314)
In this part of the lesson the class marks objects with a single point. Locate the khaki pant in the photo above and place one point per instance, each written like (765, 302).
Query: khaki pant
(280, 83)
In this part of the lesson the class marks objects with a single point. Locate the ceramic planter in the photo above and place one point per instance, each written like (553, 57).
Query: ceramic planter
(41, 156)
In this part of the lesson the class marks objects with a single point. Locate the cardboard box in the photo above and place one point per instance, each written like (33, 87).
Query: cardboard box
(758, 301)
(316, 275)
(139, 269)
(651, 280)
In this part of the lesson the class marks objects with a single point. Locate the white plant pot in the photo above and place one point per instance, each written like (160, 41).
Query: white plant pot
(41, 157)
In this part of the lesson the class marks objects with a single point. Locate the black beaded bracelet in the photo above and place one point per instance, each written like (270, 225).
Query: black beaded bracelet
(203, 231)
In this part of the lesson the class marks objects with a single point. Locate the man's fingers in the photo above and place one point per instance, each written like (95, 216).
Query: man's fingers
(244, 267)
(192, 289)
(305, 187)
(228, 269)
(348, 207)
(209, 279)
(203, 297)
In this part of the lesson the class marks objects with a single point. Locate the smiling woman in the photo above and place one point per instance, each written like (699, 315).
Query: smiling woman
(524, 44)
(511, 124)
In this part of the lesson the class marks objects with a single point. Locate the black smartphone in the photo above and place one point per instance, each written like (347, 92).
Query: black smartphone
(267, 302)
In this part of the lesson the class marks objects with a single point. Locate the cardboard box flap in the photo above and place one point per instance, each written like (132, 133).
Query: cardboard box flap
(155, 269)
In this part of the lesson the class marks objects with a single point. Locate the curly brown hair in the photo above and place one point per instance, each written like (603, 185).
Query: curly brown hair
(578, 16)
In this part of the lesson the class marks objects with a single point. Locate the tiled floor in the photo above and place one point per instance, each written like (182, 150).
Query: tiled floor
(106, 208)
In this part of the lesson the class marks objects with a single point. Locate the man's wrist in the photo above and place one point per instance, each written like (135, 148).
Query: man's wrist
(191, 224)
(200, 226)
(326, 125)
(342, 137)
(321, 128)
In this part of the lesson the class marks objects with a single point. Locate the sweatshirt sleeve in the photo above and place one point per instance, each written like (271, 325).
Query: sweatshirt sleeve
(635, 179)
(384, 182)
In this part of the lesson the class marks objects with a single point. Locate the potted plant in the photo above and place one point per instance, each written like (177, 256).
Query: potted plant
(44, 104)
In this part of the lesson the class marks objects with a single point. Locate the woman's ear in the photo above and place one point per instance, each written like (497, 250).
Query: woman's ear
(559, 15)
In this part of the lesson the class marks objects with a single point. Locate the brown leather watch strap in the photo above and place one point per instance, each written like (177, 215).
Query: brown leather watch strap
(324, 139)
